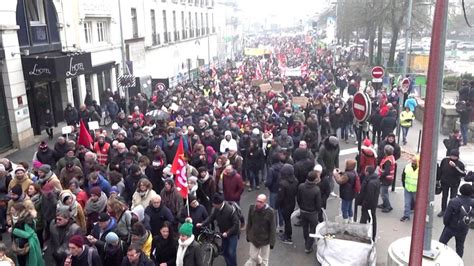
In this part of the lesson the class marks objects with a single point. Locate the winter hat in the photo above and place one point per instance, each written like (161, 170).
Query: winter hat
(96, 191)
(37, 164)
(333, 141)
(367, 142)
(186, 229)
(63, 211)
(115, 126)
(466, 189)
(193, 178)
(45, 168)
(318, 168)
(103, 217)
(17, 190)
(217, 199)
(114, 189)
(20, 168)
(111, 238)
(77, 240)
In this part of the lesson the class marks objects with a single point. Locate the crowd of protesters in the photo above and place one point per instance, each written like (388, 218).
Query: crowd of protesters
(115, 201)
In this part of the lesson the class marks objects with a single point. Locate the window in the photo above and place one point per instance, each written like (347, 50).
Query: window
(88, 31)
(35, 11)
(191, 30)
(183, 26)
(212, 21)
(176, 33)
(165, 27)
(202, 24)
(197, 24)
(154, 38)
(207, 23)
(102, 27)
(134, 23)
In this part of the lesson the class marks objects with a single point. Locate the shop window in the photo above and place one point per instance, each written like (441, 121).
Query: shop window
(36, 12)
(88, 31)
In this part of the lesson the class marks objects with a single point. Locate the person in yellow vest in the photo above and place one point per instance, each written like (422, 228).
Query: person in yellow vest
(410, 181)
(406, 121)
(102, 149)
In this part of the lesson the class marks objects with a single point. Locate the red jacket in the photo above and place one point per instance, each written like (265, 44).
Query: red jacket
(233, 187)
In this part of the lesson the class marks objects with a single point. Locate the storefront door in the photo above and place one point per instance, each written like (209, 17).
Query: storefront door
(5, 134)
(42, 96)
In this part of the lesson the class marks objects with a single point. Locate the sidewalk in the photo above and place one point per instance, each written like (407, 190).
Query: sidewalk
(466, 152)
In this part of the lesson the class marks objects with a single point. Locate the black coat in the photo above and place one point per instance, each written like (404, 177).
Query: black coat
(450, 175)
(47, 157)
(227, 219)
(303, 164)
(193, 255)
(325, 189)
(309, 197)
(164, 250)
(82, 259)
(453, 216)
(273, 177)
(389, 123)
(157, 217)
(286, 198)
(346, 191)
(142, 261)
(198, 215)
(261, 226)
(71, 116)
(370, 190)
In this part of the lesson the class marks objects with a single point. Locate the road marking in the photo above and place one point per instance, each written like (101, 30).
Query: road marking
(348, 151)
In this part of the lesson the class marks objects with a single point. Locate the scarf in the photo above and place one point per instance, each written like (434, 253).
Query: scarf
(141, 241)
(72, 207)
(183, 246)
(97, 206)
(35, 198)
(204, 179)
(44, 180)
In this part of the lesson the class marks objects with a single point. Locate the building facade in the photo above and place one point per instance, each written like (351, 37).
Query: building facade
(55, 52)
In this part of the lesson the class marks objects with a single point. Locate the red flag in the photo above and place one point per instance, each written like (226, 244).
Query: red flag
(179, 170)
(85, 138)
(258, 72)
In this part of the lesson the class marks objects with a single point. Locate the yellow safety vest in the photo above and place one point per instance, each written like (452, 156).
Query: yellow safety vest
(406, 118)
(411, 178)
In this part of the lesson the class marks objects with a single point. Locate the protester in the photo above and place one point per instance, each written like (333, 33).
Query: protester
(450, 171)
(286, 199)
(457, 217)
(164, 246)
(261, 232)
(410, 184)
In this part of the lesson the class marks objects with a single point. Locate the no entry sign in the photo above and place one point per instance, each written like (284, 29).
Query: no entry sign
(361, 106)
(377, 73)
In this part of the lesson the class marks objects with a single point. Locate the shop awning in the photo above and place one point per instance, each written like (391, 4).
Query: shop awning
(55, 66)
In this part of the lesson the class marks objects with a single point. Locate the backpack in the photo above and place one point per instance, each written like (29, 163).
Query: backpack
(357, 185)
(466, 215)
(237, 210)
(461, 106)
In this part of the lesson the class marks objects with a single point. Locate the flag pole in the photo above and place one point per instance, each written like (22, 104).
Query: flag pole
(187, 204)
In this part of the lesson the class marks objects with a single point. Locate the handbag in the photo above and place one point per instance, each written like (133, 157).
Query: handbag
(438, 188)
(20, 251)
(340, 177)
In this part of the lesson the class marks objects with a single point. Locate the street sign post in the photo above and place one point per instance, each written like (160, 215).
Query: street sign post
(377, 74)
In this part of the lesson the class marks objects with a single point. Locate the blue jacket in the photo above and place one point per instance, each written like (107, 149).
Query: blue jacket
(411, 103)
(102, 183)
(272, 182)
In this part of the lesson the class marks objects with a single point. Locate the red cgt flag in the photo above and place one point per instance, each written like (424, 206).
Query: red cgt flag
(85, 138)
(179, 170)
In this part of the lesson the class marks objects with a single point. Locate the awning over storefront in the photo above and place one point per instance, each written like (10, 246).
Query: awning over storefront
(55, 66)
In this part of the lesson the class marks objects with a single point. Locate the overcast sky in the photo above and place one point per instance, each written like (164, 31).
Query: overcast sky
(281, 10)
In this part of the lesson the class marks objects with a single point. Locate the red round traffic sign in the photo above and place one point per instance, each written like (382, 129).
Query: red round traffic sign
(361, 106)
(377, 72)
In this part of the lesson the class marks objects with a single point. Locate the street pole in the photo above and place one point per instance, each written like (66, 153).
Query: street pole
(401, 95)
(122, 50)
(424, 203)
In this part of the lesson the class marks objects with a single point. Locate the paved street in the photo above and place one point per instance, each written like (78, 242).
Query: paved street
(389, 226)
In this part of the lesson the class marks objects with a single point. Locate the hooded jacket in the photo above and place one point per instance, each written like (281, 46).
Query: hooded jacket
(228, 144)
(369, 193)
(261, 226)
(157, 217)
(328, 155)
(286, 198)
(273, 175)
